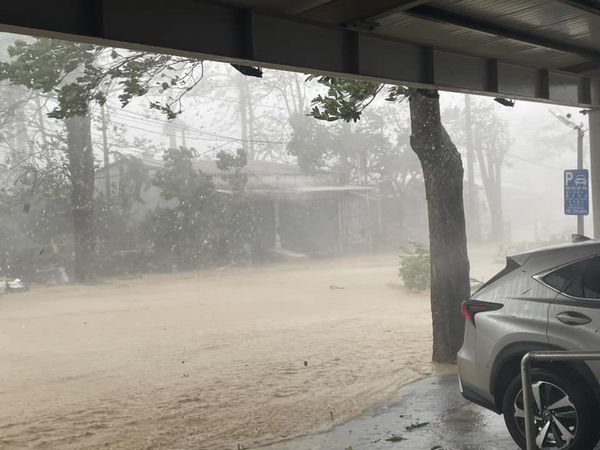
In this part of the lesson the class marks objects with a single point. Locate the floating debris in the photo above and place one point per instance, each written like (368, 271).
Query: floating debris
(414, 426)
(395, 438)
(9, 286)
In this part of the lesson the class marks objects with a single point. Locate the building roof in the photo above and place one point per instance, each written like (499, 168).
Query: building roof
(253, 166)
(267, 176)
(304, 192)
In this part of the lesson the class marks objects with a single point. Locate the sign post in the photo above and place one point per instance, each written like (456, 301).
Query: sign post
(577, 195)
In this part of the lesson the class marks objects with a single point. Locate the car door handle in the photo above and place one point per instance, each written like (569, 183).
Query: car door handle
(573, 318)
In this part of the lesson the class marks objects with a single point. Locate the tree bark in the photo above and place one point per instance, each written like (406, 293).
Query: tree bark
(81, 167)
(443, 174)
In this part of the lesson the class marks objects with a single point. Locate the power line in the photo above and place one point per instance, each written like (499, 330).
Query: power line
(209, 139)
(147, 120)
(227, 100)
(534, 162)
(191, 130)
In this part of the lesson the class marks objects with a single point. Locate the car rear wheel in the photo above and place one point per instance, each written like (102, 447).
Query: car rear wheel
(564, 412)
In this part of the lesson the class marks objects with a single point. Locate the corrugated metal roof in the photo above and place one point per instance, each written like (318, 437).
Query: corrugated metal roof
(449, 37)
(557, 21)
(545, 17)
(485, 46)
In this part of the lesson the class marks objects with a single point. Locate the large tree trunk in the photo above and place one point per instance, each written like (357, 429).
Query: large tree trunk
(443, 174)
(81, 166)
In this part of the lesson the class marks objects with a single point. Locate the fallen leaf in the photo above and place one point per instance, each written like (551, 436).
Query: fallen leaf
(414, 426)
(395, 438)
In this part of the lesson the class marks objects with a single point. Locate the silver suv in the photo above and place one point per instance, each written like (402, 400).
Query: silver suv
(548, 299)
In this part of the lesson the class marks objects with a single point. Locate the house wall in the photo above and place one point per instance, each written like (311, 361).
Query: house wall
(310, 226)
(149, 194)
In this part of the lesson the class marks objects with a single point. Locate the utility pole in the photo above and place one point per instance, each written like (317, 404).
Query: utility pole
(246, 117)
(183, 139)
(594, 126)
(566, 120)
(580, 135)
(105, 153)
(472, 207)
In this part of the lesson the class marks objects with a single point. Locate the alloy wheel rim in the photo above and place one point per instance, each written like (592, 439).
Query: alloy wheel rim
(556, 419)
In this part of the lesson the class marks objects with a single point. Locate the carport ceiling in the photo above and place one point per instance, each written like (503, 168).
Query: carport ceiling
(548, 50)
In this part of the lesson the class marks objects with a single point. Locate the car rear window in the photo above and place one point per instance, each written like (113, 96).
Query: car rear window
(580, 279)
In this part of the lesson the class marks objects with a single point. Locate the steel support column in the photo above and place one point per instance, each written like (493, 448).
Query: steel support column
(594, 124)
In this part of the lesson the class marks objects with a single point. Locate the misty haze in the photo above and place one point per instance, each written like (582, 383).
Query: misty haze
(200, 255)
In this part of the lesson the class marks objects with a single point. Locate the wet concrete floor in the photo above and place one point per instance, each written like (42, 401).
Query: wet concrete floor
(447, 422)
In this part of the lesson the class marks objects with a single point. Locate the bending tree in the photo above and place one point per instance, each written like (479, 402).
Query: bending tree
(363, 153)
(443, 175)
(75, 76)
(490, 141)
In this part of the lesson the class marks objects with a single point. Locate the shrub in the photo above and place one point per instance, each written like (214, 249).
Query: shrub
(415, 269)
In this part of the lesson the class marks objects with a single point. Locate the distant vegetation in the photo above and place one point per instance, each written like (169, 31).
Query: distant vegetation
(415, 269)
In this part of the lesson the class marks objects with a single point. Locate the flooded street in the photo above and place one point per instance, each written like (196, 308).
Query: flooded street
(208, 359)
(235, 225)
(428, 414)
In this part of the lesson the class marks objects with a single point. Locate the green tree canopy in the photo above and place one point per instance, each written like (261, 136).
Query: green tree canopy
(78, 74)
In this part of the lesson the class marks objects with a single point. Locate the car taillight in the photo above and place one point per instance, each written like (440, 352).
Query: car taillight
(470, 308)
(465, 311)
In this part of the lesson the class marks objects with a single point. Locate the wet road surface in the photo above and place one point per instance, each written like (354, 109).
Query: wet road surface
(436, 415)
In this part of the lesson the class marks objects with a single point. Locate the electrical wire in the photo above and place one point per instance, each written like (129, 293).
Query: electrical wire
(190, 130)
(534, 162)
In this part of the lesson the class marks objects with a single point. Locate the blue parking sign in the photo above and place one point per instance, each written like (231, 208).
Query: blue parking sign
(577, 192)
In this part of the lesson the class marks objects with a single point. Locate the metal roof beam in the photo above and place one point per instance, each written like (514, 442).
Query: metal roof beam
(344, 12)
(582, 67)
(590, 6)
(447, 17)
(234, 35)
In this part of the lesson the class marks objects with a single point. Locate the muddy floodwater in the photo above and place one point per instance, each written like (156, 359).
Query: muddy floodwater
(208, 360)
(427, 414)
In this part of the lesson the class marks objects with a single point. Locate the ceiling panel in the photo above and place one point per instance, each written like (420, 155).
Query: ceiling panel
(463, 40)
(548, 18)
